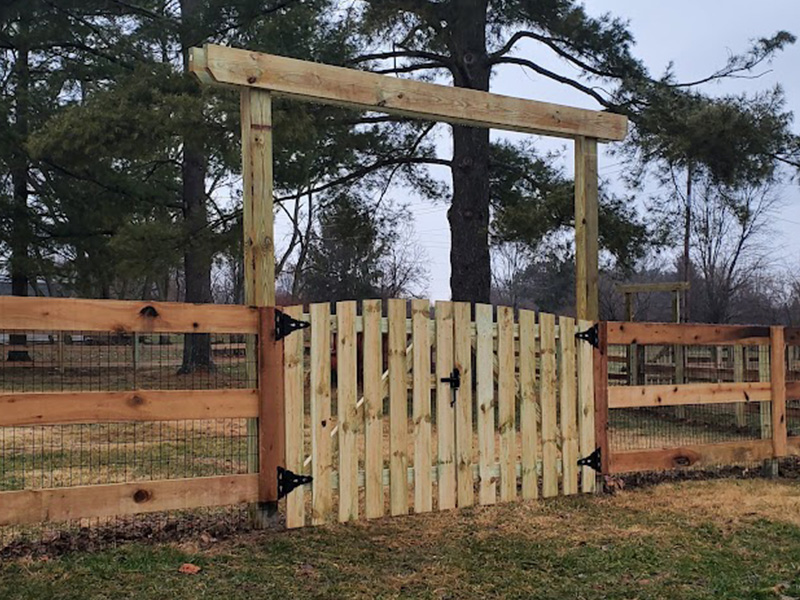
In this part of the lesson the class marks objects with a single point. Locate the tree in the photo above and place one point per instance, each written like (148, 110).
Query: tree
(729, 238)
(687, 139)
(357, 252)
(45, 50)
(532, 203)
(467, 40)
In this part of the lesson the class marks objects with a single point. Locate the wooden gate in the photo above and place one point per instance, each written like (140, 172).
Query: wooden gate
(391, 409)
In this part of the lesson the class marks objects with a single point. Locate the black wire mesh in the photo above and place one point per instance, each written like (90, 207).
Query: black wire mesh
(691, 424)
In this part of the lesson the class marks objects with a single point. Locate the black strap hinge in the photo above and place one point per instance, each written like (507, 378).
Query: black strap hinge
(593, 461)
(591, 335)
(284, 324)
(288, 481)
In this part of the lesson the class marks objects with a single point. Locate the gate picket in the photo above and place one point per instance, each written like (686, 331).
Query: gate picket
(445, 413)
(346, 396)
(505, 398)
(528, 413)
(398, 409)
(484, 359)
(463, 407)
(373, 408)
(420, 316)
(293, 390)
(586, 407)
(321, 465)
(547, 386)
(568, 398)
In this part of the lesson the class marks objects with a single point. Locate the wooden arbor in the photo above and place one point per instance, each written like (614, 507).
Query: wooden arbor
(260, 75)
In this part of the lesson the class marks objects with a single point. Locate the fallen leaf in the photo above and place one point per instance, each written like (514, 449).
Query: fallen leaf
(189, 569)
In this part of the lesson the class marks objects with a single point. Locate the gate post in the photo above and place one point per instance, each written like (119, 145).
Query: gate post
(778, 387)
(271, 413)
(601, 398)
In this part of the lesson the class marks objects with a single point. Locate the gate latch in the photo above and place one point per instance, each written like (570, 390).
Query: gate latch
(284, 325)
(455, 382)
(592, 461)
(288, 481)
(591, 335)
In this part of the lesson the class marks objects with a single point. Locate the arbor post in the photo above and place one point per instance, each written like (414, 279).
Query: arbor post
(586, 229)
(259, 262)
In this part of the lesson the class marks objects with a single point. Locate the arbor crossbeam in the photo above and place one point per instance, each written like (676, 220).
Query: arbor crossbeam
(340, 86)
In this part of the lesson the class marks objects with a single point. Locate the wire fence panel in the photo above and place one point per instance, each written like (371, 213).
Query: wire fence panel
(696, 395)
(68, 378)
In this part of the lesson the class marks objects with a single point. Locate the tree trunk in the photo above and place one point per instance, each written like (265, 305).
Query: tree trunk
(197, 255)
(687, 233)
(20, 238)
(470, 277)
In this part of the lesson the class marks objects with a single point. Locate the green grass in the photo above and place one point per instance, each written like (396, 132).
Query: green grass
(722, 539)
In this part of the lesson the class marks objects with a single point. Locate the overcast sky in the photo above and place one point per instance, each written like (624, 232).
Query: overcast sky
(698, 36)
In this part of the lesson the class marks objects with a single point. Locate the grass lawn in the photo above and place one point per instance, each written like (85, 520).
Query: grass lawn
(713, 539)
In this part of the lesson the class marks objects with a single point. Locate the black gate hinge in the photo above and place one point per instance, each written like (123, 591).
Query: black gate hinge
(591, 335)
(593, 461)
(284, 325)
(288, 481)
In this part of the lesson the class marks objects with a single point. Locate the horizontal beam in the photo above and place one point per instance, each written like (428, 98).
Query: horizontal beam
(644, 288)
(327, 84)
(686, 334)
(117, 499)
(123, 316)
(692, 393)
(702, 455)
(50, 408)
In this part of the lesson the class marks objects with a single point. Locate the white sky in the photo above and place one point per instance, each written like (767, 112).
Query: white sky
(698, 36)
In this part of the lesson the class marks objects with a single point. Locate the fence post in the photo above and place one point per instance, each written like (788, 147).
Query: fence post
(601, 397)
(271, 414)
(778, 387)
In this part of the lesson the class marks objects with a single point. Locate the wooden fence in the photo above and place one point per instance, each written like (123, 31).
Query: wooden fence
(770, 392)
(32, 409)
(391, 407)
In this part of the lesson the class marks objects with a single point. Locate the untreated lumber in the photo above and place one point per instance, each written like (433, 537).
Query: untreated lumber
(601, 387)
(271, 407)
(587, 274)
(687, 335)
(51, 408)
(702, 455)
(123, 316)
(339, 86)
(690, 393)
(777, 377)
(117, 499)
